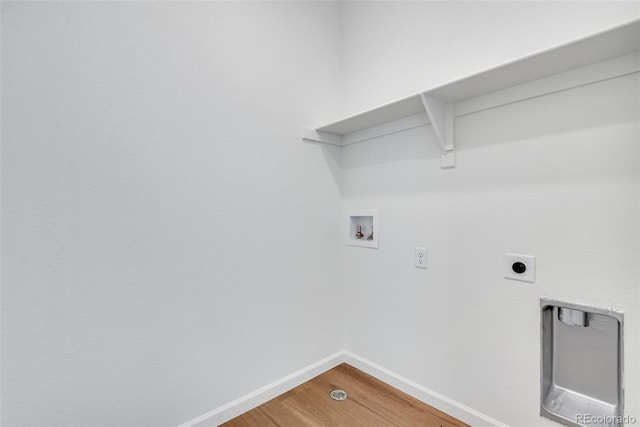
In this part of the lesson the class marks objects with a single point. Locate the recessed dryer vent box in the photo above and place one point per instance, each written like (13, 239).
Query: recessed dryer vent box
(581, 363)
(362, 228)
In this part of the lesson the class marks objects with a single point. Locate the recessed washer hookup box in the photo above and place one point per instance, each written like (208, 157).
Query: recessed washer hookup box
(581, 364)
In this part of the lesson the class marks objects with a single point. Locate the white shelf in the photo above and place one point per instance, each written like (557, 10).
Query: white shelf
(604, 55)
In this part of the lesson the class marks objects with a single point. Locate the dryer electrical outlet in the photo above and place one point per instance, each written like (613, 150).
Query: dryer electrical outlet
(520, 267)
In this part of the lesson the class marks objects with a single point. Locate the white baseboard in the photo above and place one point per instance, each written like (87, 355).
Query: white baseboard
(266, 393)
(430, 397)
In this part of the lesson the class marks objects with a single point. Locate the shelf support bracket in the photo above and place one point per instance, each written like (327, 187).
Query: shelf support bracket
(442, 118)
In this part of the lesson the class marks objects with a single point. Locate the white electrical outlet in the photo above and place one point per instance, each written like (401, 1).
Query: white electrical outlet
(421, 257)
(520, 267)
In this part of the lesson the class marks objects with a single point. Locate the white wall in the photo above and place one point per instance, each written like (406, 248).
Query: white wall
(169, 244)
(556, 177)
(391, 49)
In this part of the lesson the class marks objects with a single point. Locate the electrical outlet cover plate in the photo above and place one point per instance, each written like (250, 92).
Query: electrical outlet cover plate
(421, 257)
(529, 275)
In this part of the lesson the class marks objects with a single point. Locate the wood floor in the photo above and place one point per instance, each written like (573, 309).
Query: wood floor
(370, 403)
